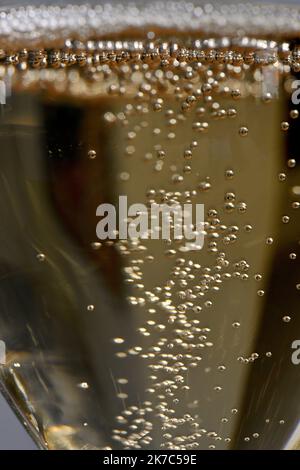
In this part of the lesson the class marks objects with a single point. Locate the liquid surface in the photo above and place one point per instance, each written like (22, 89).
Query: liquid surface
(140, 343)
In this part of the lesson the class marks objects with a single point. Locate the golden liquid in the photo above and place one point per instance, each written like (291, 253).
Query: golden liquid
(136, 343)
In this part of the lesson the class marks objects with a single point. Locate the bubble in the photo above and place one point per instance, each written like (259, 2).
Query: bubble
(124, 176)
(92, 154)
(157, 106)
(295, 205)
(286, 319)
(294, 113)
(291, 162)
(236, 93)
(204, 186)
(96, 245)
(231, 112)
(90, 308)
(269, 241)
(178, 179)
(131, 135)
(130, 150)
(161, 154)
(285, 219)
(260, 293)
(83, 385)
(148, 156)
(121, 355)
(187, 169)
(293, 256)
(284, 126)
(41, 257)
(236, 324)
(243, 131)
(118, 340)
(109, 117)
(282, 176)
(188, 154)
(229, 197)
(267, 97)
(229, 174)
(229, 206)
(242, 207)
(268, 354)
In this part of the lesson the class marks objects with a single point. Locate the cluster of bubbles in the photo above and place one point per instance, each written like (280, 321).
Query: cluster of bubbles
(173, 337)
